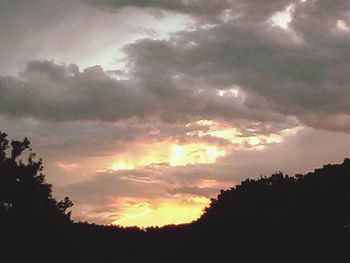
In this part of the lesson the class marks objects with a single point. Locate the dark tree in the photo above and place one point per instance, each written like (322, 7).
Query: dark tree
(34, 227)
(302, 218)
(24, 193)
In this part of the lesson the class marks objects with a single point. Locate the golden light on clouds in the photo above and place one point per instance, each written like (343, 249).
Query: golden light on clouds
(177, 155)
(145, 214)
(193, 154)
(234, 136)
(66, 165)
(174, 154)
(195, 149)
(203, 142)
(212, 183)
(121, 166)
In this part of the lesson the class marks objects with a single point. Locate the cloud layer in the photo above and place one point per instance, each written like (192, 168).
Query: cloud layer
(95, 82)
(297, 71)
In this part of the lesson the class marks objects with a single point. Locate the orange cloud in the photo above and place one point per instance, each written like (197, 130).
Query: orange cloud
(66, 166)
(169, 152)
(146, 213)
(234, 136)
(182, 203)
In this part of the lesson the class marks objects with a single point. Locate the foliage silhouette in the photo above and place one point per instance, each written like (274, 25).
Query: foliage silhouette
(23, 190)
(280, 217)
(29, 215)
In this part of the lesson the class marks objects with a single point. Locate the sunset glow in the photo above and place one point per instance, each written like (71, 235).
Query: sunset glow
(169, 153)
(234, 136)
(144, 110)
(144, 214)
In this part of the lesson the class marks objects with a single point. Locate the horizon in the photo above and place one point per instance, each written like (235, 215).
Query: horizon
(144, 110)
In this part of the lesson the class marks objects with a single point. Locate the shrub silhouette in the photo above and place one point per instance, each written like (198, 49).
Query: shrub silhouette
(23, 190)
(33, 225)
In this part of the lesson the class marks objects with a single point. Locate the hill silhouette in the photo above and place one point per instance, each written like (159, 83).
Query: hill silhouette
(279, 217)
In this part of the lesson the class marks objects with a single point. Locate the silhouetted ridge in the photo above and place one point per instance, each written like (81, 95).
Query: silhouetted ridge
(307, 213)
(320, 198)
(280, 217)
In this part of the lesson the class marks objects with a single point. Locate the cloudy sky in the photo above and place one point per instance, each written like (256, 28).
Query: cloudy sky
(144, 109)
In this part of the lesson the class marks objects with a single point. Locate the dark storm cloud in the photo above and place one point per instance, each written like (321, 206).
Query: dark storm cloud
(49, 91)
(301, 71)
(205, 7)
(56, 92)
(249, 11)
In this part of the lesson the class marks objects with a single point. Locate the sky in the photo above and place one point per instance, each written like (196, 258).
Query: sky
(142, 110)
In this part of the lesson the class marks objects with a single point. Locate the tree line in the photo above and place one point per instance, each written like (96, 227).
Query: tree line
(276, 217)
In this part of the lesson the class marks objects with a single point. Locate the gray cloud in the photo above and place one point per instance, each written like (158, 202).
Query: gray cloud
(48, 91)
(249, 11)
(280, 78)
(103, 185)
(73, 31)
(294, 71)
(205, 7)
(299, 72)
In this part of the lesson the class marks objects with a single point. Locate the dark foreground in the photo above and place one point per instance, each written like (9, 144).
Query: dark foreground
(276, 218)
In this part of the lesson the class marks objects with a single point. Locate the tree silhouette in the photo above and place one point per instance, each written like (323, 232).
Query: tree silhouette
(288, 218)
(33, 225)
(24, 192)
(320, 198)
